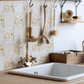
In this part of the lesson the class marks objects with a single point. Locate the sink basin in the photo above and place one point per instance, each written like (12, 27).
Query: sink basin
(54, 71)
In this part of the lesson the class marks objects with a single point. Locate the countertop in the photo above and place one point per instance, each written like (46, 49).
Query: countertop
(6, 78)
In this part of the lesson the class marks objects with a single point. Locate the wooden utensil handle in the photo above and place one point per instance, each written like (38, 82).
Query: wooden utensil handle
(30, 18)
(44, 16)
(54, 18)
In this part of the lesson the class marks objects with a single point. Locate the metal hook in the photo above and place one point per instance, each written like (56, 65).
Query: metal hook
(54, 4)
(30, 3)
(78, 3)
(45, 4)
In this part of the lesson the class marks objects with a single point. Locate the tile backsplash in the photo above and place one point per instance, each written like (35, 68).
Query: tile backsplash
(13, 28)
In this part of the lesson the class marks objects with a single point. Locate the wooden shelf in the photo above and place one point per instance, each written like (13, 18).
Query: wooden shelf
(71, 21)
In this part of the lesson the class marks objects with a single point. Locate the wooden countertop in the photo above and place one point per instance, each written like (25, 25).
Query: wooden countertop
(6, 78)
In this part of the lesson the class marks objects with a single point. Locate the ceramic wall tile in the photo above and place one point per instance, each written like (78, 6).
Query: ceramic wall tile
(36, 31)
(18, 19)
(8, 48)
(8, 19)
(8, 6)
(19, 33)
(43, 57)
(1, 63)
(1, 6)
(1, 34)
(16, 60)
(14, 19)
(1, 19)
(34, 47)
(51, 45)
(43, 46)
(18, 47)
(8, 62)
(36, 18)
(1, 48)
(8, 34)
(25, 6)
(18, 6)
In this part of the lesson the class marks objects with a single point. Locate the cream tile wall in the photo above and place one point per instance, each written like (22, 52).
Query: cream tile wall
(13, 28)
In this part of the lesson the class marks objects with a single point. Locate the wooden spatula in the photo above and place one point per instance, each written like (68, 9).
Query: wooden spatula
(44, 29)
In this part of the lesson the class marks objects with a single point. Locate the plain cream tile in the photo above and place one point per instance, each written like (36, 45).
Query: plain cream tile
(8, 48)
(1, 34)
(1, 6)
(8, 62)
(19, 33)
(8, 19)
(18, 6)
(1, 63)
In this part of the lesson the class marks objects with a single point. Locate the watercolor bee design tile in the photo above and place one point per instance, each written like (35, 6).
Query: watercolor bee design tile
(44, 57)
(18, 47)
(1, 49)
(1, 19)
(8, 34)
(35, 19)
(8, 62)
(18, 19)
(8, 6)
(25, 6)
(35, 47)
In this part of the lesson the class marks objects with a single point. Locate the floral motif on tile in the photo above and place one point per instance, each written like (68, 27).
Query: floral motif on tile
(35, 47)
(43, 57)
(1, 49)
(35, 19)
(18, 48)
(18, 19)
(25, 6)
(8, 62)
(8, 6)
(1, 19)
(9, 34)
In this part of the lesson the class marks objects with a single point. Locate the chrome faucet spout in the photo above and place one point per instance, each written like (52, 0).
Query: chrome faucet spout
(38, 38)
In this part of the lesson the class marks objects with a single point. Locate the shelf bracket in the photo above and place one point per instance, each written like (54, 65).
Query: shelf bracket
(76, 7)
(61, 5)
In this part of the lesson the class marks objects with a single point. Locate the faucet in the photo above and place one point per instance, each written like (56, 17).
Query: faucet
(25, 61)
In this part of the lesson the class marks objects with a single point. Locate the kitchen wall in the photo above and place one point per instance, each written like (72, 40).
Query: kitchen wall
(70, 35)
(13, 28)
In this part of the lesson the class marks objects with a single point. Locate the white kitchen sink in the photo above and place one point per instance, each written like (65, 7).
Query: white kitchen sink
(54, 71)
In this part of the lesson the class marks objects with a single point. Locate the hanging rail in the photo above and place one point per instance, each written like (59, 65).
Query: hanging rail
(77, 2)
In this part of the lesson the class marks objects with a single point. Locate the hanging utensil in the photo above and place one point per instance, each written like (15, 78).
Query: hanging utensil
(44, 29)
(54, 32)
(30, 28)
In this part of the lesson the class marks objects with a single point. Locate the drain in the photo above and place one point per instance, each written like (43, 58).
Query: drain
(35, 72)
